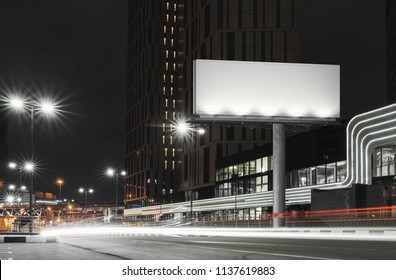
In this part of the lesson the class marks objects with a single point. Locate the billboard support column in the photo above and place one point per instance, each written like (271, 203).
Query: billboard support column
(279, 172)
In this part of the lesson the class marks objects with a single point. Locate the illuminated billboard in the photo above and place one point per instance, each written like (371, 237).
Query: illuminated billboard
(240, 90)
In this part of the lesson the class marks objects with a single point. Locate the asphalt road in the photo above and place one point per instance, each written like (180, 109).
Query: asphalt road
(197, 248)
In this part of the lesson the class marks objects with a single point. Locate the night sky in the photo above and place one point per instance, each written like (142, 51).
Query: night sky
(76, 52)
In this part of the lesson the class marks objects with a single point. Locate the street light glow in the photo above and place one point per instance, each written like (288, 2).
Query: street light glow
(29, 166)
(47, 107)
(23, 188)
(17, 103)
(81, 190)
(110, 172)
(201, 131)
(90, 190)
(12, 165)
(123, 173)
(10, 199)
(12, 187)
(182, 128)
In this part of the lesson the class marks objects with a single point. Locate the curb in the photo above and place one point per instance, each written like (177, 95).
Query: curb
(27, 239)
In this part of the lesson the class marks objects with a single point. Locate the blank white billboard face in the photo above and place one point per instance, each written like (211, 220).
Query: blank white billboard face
(230, 89)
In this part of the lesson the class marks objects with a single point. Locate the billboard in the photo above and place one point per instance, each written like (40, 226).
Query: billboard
(240, 90)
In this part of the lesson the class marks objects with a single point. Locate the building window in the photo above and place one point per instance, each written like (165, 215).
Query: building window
(166, 164)
(164, 41)
(163, 139)
(164, 28)
(166, 102)
(166, 152)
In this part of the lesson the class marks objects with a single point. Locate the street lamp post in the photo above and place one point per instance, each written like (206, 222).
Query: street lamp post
(111, 172)
(60, 182)
(46, 108)
(185, 130)
(86, 191)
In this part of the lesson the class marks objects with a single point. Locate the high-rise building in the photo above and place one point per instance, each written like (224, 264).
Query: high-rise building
(153, 101)
(391, 50)
(164, 38)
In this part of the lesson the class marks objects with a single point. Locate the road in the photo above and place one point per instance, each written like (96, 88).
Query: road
(174, 247)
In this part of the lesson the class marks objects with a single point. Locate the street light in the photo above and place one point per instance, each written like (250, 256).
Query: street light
(111, 172)
(60, 182)
(45, 107)
(86, 191)
(184, 130)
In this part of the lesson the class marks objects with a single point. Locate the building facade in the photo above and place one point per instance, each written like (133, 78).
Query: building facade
(153, 101)
(164, 38)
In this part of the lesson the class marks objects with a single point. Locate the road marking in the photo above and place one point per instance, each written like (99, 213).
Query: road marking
(271, 254)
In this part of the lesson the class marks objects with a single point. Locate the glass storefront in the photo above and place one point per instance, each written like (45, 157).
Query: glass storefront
(384, 161)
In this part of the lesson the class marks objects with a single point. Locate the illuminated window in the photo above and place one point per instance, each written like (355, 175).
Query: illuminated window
(174, 7)
(171, 140)
(174, 18)
(173, 152)
(166, 152)
(163, 139)
(171, 127)
(167, 53)
(174, 54)
(164, 41)
(163, 127)
(174, 115)
(174, 66)
(166, 65)
(166, 114)
(164, 78)
(163, 90)
(164, 28)
(167, 5)
(167, 18)
(172, 42)
(166, 102)
(166, 164)
(171, 79)
(171, 90)
(174, 103)
(172, 30)
(173, 164)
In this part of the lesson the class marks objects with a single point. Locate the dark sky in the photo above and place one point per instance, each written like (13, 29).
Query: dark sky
(75, 50)
(350, 33)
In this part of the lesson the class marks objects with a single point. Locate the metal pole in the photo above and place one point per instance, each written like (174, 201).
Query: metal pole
(279, 172)
(191, 180)
(116, 187)
(31, 175)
